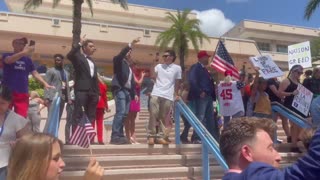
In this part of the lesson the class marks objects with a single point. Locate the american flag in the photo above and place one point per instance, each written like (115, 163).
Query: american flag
(222, 61)
(83, 134)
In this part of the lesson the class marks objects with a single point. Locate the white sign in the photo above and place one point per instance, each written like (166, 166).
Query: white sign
(300, 54)
(302, 101)
(268, 69)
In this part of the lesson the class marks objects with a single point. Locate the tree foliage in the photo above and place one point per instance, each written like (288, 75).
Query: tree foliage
(182, 31)
(311, 8)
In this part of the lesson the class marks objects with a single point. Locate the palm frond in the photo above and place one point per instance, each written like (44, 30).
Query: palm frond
(55, 3)
(123, 3)
(310, 8)
(32, 3)
(89, 2)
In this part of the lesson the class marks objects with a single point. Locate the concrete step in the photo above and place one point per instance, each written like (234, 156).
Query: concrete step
(143, 161)
(131, 149)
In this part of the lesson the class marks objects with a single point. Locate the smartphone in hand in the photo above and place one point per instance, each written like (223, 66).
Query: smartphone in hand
(32, 43)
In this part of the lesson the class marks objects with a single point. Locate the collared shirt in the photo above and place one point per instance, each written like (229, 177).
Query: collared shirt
(128, 83)
(91, 65)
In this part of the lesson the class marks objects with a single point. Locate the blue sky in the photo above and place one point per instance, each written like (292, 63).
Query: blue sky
(223, 14)
(278, 11)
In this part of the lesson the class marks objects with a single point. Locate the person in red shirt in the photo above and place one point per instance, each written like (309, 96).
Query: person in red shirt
(101, 107)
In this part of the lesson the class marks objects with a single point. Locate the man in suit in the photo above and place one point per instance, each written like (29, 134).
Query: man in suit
(58, 77)
(123, 89)
(202, 95)
(86, 82)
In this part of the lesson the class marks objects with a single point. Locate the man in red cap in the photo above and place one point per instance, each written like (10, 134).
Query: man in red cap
(16, 69)
(202, 95)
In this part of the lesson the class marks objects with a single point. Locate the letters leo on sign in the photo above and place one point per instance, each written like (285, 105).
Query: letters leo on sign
(268, 69)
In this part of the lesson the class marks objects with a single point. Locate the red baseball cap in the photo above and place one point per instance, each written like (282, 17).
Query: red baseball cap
(202, 54)
(228, 72)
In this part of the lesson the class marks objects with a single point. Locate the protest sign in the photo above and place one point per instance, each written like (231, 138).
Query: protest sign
(268, 69)
(302, 101)
(300, 54)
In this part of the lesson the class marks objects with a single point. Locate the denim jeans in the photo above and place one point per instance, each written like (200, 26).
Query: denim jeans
(226, 119)
(122, 101)
(3, 173)
(204, 112)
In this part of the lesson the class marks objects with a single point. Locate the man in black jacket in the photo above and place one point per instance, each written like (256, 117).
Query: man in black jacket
(122, 86)
(86, 83)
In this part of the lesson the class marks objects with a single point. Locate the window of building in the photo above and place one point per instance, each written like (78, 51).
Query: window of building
(282, 48)
(264, 46)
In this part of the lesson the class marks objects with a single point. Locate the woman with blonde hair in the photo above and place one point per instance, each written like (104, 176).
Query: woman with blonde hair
(37, 156)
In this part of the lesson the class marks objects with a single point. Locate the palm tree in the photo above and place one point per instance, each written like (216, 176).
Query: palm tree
(77, 14)
(310, 8)
(182, 30)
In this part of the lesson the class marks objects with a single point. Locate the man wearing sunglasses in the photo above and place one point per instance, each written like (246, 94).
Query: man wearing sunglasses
(166, 86)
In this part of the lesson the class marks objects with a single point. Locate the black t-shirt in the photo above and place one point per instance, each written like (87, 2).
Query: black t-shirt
(272, 96)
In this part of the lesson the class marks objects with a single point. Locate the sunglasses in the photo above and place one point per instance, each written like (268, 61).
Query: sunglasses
(165, 55)
(299, 72)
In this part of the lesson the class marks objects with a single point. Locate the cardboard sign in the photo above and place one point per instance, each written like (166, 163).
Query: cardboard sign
(268, 69)
(302, 101)
(300, 54)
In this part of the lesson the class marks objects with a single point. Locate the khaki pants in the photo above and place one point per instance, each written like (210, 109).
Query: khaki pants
(159, 110)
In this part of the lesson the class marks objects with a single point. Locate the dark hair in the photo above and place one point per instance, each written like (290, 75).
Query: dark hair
(58, 55)
(293, 68)
(172, 53)
(315, 71)
(5, 93)
(85, 43)
(240, 131)
(261, 80)
(308, 72)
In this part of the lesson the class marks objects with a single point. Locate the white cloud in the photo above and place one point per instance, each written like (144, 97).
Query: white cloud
(237, 1)
(213, 22)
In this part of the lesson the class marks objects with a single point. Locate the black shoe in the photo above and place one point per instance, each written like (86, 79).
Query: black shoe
(101, 143)
(197, 142)
(295, 150)
(184, 141)
(119, 141)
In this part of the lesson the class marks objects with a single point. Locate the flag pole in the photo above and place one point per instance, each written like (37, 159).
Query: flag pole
(89, 146)
(89, 142)
(214, 54)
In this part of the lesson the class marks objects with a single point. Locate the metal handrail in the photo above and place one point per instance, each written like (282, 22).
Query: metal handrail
(209, 144)
(292, 116)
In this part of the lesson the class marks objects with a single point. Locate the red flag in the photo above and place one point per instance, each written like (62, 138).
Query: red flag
(222, 61)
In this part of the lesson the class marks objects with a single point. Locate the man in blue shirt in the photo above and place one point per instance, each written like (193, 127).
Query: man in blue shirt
(246, 144)
(201, 95)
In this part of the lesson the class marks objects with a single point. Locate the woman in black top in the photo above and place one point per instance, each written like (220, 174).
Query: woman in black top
(275, 96)
(288, 89)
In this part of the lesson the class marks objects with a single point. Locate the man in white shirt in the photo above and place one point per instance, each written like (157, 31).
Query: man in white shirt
(162, 96)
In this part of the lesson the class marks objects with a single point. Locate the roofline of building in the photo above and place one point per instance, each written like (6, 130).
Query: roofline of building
(288, 25)
(159, 8)
(83, 22)
(266, 22)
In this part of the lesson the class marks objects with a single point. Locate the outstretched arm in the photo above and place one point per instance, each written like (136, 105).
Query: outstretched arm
(37, 76)
(15, 57)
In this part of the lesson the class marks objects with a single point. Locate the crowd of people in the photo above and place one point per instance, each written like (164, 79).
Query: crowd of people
(244, 105)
